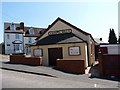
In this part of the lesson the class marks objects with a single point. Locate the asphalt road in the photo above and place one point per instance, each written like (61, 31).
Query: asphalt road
(13, 79)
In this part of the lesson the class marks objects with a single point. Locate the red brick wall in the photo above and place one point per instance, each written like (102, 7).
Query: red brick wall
(21, 59)
(72, 66)
(104, 50)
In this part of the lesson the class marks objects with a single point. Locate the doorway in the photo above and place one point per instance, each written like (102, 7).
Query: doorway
(54, 54)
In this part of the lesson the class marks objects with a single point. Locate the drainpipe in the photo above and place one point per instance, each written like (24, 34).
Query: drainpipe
(23, 43)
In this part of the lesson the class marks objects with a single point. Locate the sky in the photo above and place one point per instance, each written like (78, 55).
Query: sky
(95, 18)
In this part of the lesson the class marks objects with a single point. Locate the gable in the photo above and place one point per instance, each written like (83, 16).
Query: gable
(60, 24)
(36, 30)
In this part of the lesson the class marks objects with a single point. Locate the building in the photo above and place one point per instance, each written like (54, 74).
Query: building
(105, 48)
(109, 60)
(98, 42)
(62, 40)
(2, 48)
(17, 37)
(31, 33)
(110, 49)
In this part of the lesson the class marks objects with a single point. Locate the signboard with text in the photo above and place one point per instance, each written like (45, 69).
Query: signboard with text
(60, 32)
(38, 52)
(74, 50)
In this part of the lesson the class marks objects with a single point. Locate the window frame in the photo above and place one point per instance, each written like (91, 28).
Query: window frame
(30, 40)
(17, 47)
(17, 36)
(12, 26)
(31, 31)
(8, 44)
(8, 36)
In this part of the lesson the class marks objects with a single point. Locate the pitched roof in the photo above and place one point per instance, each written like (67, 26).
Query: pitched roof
(36, 31)
(65, 23)
(26, 30)
(98, 41)
(8, 28)
(59, 38)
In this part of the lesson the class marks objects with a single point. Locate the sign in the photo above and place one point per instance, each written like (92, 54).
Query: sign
(74, 50)
(38, 52)
(60, 32)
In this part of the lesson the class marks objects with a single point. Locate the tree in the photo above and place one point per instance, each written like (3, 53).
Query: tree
(119, 40)
(112, 37)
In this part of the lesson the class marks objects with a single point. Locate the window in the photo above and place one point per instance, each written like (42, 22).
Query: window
(8, 36)
(31, 31)
(17, 47)
(12, 26)
(38, 52)
(30, 40)
(42, 31)
(8, 44)
(17, 36)
(28, 50)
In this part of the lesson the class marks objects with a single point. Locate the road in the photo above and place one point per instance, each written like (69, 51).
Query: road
(13, 79)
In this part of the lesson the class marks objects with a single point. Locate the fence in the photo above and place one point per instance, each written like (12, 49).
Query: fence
(109, 64)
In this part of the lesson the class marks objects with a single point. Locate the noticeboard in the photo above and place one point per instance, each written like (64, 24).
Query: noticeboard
(74, 51)
(38, 52)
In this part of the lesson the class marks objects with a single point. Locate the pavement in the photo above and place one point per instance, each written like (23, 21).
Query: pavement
(49, 71)
(39, 70)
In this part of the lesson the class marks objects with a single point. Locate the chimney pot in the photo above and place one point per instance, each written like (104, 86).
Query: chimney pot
(22, 25)
(100, 39)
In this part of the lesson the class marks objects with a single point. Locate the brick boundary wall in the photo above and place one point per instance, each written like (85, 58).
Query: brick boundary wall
(109, 65)
(71, 66)
(21, 59)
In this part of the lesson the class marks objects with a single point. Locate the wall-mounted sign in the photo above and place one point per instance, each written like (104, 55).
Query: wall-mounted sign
(60, 32)
(38, 52)
(75, 50)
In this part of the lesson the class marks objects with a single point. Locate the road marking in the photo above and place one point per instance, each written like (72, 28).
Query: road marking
(95, 85)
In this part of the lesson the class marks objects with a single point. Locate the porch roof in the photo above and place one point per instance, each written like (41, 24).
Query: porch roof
(17, 42)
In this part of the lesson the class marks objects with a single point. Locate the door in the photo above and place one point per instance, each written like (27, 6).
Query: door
(54, 54)
(17, 48)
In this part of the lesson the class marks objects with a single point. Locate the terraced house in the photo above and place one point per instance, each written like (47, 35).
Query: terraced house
(17, 37)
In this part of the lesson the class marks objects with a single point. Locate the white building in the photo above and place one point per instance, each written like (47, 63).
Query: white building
(17, 37)
(112, 48)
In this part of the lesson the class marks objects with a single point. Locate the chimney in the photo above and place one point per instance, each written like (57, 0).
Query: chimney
(22, 25)
(100, 39)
